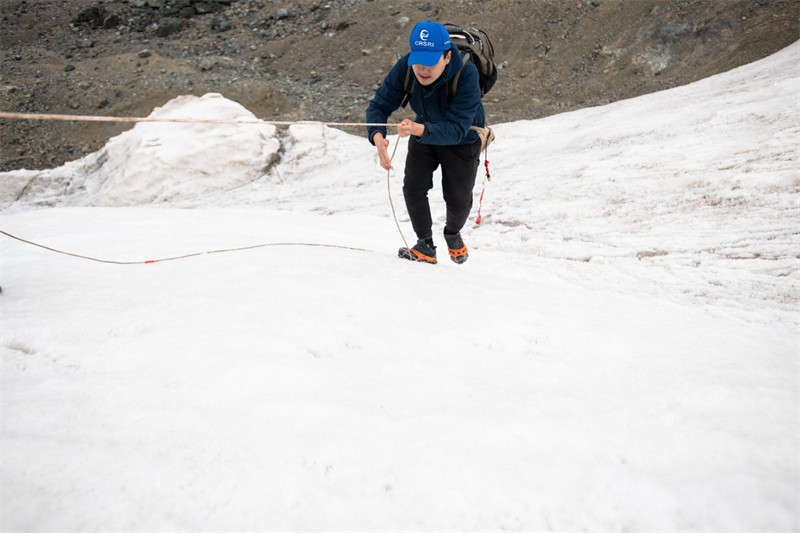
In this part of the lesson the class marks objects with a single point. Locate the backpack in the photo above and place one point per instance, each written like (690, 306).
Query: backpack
(474, 46)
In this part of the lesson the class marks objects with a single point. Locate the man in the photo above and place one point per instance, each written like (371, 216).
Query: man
(440, 135)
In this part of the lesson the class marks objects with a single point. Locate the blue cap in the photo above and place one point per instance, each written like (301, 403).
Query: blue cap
(428, 40)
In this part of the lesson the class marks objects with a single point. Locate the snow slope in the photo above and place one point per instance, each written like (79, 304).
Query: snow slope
(619, 353)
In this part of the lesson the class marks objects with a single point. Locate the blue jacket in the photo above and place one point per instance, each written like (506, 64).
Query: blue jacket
(446, 123)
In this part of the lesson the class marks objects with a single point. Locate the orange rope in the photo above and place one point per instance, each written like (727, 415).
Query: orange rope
(100, 118)
(161, 260)
(389, 191)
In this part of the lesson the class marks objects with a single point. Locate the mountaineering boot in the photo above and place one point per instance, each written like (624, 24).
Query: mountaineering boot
(422, 251)
(456, 247)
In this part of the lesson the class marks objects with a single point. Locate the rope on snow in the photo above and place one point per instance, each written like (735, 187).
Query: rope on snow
(175, 258)
(101, 118)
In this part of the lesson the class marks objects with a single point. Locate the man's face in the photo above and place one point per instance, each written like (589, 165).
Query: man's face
(427, 75)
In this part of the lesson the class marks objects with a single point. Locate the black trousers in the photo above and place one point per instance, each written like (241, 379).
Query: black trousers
(459, 167)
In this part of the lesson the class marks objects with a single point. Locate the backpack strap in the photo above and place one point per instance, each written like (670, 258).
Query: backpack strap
(452, 85)
(408, 86)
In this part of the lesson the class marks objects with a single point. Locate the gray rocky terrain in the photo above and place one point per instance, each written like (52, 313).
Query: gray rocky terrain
(322, 59)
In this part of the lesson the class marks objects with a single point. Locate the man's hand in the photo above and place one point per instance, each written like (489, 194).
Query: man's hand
(383, 152)
(409, 127)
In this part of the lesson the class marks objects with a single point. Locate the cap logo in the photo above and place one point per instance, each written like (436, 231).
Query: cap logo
(427, 40)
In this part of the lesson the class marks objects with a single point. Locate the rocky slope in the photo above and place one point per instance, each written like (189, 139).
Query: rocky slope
(322, 60)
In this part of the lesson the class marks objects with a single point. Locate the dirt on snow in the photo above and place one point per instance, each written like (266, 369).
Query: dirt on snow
(322, 60)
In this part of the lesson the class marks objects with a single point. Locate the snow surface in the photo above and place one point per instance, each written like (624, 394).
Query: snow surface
(619, 353)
